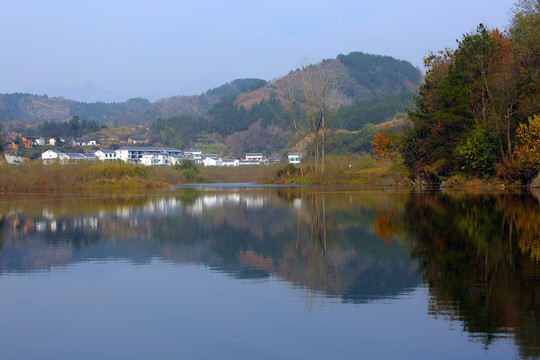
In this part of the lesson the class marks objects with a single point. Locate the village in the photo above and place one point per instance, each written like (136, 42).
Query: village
(148, 156)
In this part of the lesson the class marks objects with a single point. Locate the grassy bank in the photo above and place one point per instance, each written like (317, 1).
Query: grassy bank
(352, 169)
(244, 173)
(34, 176)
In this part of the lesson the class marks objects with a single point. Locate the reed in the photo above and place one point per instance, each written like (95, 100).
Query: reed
(34, 176)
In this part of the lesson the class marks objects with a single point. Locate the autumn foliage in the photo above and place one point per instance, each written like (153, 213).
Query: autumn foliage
(467, 116)
(385, 145)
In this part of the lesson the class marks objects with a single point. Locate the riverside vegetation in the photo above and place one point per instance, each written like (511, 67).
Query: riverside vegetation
(476, 116)
(34, 176)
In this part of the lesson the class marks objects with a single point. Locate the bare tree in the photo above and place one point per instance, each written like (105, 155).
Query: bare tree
(312, 94)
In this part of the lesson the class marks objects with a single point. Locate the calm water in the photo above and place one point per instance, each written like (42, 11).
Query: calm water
(247, 272)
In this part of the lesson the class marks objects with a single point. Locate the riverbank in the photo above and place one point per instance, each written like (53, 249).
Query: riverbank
(34, 176)
(354, 169)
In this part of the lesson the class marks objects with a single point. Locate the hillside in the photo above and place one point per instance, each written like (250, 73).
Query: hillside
(35, 109)
(357, 76)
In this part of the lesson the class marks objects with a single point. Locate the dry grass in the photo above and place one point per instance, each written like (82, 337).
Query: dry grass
(352, 169)
(248, 173)
(34, 176)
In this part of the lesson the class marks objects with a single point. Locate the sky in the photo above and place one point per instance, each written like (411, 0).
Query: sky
(183, 47)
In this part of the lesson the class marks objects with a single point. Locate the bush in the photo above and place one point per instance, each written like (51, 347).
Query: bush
(477, 154)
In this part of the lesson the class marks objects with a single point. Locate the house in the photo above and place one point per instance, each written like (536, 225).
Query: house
(230, 162)
(12, 145)
(154, 159)
(89, 156)
(106, 155)
(40, 141)
(135, 153)
(193, 154)
(72, 157)
(68, 141)
(27, 141)
(52, 155)
(86, 142)
(212, 160)
(69, 157)
(272, 160)
(254, 157)
(176, 159)
(294, 158)
(13, 159)
(52, 142)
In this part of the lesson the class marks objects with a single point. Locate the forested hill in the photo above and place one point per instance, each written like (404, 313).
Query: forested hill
(358, 76)
(34, 109)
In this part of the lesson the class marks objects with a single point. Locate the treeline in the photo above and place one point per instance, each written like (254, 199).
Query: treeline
(10, 106)
(179, 131)
(475, 114)
(374, 111)
(108, 112)
(235, 87)
(225, 118)
(74, 127)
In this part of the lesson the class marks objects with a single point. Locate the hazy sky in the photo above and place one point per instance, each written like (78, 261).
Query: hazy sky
(141, 46)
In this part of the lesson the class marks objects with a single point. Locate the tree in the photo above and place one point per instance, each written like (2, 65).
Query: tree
(527, 150)
(525, 35)
(471, 96)
(385, 145)
(312, 108)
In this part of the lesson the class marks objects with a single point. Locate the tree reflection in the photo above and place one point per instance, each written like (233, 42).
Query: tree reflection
(478, 253)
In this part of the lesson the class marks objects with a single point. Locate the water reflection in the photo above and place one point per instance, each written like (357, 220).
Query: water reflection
(323, 242)
(478, 254)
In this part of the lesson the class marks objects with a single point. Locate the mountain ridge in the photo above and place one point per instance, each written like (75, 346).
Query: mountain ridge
(358, 76)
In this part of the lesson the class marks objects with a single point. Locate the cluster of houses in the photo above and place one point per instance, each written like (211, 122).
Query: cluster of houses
(154, 156)
(31, 141)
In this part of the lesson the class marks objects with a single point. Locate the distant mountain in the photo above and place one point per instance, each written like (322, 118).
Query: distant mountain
(357, 76)
(33, 109)
(85, 92)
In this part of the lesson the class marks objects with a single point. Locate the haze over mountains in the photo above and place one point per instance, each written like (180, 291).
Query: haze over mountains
(357, 76)
(91, 92)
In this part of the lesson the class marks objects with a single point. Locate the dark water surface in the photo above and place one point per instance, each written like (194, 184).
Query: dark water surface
(249, 272)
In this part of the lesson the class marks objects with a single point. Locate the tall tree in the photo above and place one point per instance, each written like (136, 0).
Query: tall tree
(312, 109)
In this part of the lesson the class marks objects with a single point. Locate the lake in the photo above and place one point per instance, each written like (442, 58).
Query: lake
(269, 272)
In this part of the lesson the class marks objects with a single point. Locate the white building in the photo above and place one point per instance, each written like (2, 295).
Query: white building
(212, 161)
(86, 142)
(70, 157)
(193, 154)
(106, 155)
(254, 157)
(230, 162)
(52, 155)
(135, 153)
(175, 159)
(40, 141)
(155, 159)
(294, 158)
(248, 162)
